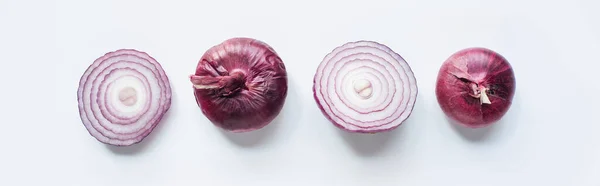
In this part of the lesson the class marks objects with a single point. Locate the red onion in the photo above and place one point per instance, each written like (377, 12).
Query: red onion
(365, 87)
(240, 85)
(122, 96)
(475, 87)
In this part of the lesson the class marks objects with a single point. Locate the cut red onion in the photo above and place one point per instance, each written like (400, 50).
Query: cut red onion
(122, 96)
(475, 87)
(365, 87)
(240, 85)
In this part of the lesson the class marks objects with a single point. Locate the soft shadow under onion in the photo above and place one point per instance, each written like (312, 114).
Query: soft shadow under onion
(366, 144)
(252, 138)
(473, 134)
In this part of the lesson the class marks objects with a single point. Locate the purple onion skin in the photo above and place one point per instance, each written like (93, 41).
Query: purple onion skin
(465, 76)
(245, 84)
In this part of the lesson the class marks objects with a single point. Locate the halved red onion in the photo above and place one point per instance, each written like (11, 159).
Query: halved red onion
(122, 96)
(365, 87)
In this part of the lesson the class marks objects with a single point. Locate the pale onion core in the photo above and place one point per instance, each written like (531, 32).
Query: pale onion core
(116, 90)
(363, 103)
(361, 69)
(128, 96)
(120, 111)
(365, 87)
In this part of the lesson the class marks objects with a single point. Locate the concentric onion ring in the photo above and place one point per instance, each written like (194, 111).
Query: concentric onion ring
(365, 87)
(122, 96)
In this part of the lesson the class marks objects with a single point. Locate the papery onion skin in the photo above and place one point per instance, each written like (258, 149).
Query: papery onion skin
(475, 87)
(369, 56)
(240, 84)
(123, 79)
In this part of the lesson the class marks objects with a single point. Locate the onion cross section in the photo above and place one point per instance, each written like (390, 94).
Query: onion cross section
(365, 87)
(122, 97)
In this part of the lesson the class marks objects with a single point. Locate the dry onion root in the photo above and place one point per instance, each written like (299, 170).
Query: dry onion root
(122, 96)
(365, 87)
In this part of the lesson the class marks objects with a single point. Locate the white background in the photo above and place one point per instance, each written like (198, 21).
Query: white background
(549, 137)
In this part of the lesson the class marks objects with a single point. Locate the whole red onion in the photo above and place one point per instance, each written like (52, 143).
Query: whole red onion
(240, 85)
(475, 87)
